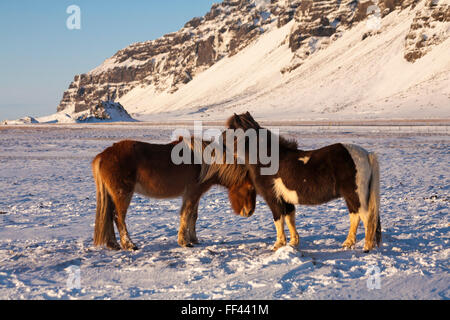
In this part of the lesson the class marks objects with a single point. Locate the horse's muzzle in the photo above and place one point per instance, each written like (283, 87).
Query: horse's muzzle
(246, 213)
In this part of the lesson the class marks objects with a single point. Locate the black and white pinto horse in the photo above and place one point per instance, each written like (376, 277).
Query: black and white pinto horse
(316, 177)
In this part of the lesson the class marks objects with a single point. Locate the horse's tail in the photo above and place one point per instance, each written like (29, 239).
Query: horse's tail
(104, 218)
(374, 196)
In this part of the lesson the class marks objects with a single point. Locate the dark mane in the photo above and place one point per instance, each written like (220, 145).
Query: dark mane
(227, 175)
(245, 122)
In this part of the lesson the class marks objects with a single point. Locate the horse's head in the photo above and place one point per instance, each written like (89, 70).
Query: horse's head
(243, 121)
(243, 198)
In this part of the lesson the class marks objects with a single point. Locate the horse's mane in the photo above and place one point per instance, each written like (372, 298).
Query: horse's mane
(245, 122)
(227, 174)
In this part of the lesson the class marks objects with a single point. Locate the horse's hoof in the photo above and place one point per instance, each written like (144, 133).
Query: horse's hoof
(348, 245)
(129, 247)
(113, 246)
(294, 244)
(368, 248)
(278, 246)
(185, 244)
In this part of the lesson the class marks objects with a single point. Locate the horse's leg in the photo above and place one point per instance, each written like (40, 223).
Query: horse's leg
(290, 221)
(188, 218)
(112, 240)
(189, 213)
(183, 231)
(191, 227)
(278, 213)
(354, 207)
(359, 210)
(355, 218)
(370, 225)
(351, 238)
(281, 236)
(122, 202)
(184, 237)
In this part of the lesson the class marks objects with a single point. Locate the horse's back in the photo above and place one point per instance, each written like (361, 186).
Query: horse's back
(130, 153)
(157, 174)
(145, 168)
(319, 175)
(120, 155)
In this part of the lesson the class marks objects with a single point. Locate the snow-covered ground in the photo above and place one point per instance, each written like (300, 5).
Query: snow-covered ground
(47, 208)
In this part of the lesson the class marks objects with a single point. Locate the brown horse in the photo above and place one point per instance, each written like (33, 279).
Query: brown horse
(315, 177)
(131, 166)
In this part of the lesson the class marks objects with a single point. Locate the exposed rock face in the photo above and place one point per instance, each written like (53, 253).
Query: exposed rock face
(205, 52)
(105, 111)
(430, 27)
(167, 63)
(172, 60)
(317, 23)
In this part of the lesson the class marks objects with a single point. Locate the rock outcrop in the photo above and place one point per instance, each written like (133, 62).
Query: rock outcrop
(105, 111)
(24, 120)
(430, 27)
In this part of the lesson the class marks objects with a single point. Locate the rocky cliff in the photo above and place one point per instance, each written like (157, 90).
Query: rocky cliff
(173, 60)
(428, 29)
(167, 64)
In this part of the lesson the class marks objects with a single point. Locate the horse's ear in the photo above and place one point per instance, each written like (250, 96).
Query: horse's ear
(180, 139)
(231, 121)
(237, 120)
(252, 120)
(249, 116)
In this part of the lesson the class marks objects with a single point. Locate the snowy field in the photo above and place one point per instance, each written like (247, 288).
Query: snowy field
(47, 209)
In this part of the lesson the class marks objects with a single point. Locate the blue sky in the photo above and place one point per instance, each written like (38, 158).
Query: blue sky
(39, 55)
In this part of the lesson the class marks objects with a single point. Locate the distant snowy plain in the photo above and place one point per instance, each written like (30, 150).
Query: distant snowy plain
(47, 211)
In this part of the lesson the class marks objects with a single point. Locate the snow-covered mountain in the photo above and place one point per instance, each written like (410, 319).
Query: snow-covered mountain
(284, 60)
